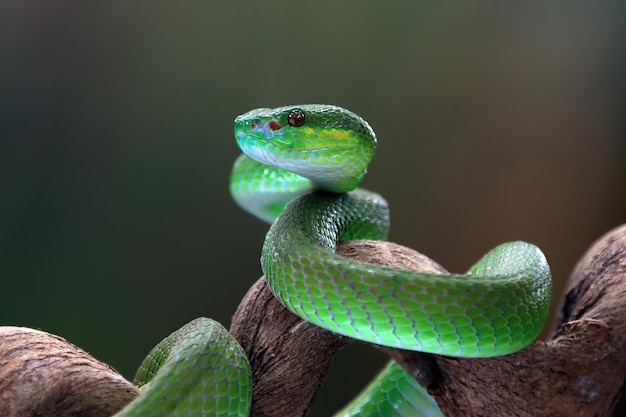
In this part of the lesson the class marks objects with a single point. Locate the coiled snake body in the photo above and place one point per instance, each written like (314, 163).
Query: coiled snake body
(299, 171)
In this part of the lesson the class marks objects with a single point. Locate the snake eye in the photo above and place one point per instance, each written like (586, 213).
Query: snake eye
(296, 118)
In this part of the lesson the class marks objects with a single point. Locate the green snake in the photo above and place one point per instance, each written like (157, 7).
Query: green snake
(299, 171)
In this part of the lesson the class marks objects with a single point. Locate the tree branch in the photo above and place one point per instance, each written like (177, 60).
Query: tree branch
(45, 375)
(579, 371)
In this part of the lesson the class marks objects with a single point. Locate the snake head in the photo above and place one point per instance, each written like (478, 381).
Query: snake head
(327, 144)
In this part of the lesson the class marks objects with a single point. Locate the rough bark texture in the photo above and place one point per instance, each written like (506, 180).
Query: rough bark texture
(44, 375)
(578, 372)
(289, 357)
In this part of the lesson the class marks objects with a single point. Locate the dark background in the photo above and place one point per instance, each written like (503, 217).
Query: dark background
(495, 123)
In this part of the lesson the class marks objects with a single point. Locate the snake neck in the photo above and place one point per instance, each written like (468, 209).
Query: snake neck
(322, 219)
(264, 191)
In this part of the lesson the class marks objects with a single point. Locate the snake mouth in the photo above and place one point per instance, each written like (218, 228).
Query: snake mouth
(258, 148)
(271, 150)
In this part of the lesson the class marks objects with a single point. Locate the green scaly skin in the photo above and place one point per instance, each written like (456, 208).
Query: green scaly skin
(393, 393)
(496, 308)
(199, 370)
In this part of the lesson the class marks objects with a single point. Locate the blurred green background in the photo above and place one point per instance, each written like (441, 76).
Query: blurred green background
(496, 122)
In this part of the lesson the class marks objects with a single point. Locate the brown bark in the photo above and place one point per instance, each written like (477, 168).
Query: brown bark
(578, 372)
(44, 375)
